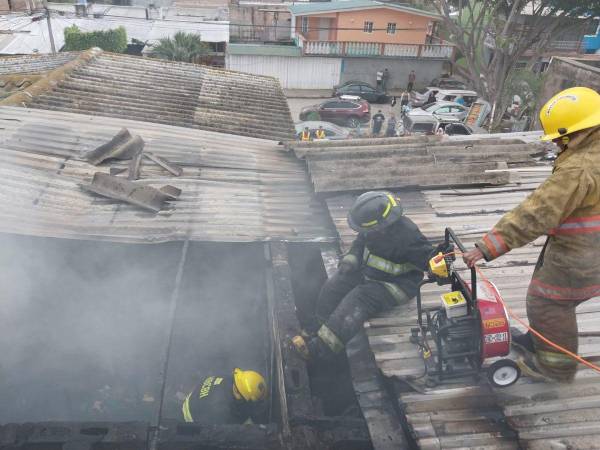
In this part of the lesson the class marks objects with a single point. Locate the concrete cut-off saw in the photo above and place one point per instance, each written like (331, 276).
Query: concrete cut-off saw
(468, 327)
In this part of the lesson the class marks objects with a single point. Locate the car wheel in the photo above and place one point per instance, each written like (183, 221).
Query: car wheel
(353, 122)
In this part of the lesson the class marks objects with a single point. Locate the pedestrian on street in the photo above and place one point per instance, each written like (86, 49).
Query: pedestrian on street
(412, 76)
(390, 131)
(383, 269)
(379, 79)
(306, 136)
(385, 76)
(378, 120)
(566, 208)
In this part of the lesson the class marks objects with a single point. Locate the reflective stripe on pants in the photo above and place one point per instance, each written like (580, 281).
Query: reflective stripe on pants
(187, 414)
(330, 339)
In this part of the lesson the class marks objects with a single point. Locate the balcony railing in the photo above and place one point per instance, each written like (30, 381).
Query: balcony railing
(336, 48)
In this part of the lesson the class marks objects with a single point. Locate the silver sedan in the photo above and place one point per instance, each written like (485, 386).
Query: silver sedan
(442, 111)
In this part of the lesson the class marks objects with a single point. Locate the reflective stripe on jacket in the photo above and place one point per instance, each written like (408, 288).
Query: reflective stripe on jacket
(566, 207)
(398, 256)
(305, 136)
(385, 265)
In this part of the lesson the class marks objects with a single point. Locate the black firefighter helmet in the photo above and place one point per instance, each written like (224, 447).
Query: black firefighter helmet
(374, 211)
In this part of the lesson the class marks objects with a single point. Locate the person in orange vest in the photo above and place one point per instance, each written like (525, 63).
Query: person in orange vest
(320, 133)
(305, 135)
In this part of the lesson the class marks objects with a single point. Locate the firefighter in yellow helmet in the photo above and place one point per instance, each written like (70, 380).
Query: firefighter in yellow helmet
(382, 269)
(566, 208)
(235, 398)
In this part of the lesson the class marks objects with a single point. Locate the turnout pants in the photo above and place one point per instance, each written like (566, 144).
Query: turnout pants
(345, 302)
(557, 321)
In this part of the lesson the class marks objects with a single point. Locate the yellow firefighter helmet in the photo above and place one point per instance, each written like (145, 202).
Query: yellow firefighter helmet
(250, 385)
(569, 111)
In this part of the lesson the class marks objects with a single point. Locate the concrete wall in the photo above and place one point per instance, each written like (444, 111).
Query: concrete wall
(256, 22)
(348, 26)
(563, 73)
(292, 72)
(411, 28)
(365, 69)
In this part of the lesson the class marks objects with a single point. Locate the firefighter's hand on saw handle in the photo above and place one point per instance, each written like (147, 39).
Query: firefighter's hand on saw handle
(472, 256)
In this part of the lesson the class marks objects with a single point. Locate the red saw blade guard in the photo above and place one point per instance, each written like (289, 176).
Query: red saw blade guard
(495, 328)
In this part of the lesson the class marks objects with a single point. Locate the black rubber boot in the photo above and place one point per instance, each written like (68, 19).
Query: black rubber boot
(522, 341)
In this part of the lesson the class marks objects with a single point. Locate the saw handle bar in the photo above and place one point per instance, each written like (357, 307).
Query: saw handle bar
(452, 237)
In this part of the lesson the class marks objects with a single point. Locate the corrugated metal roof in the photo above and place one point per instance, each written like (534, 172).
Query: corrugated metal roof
(31, 37)
(364, 164)
(234, 188)
(171, 93)
(300, 9)
(34, 64)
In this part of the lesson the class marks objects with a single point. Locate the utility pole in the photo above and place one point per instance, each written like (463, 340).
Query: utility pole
(49, 26)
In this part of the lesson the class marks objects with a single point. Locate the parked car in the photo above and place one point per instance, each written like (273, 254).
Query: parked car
(452, 95)
(442, 111)
(447, 83)
(350, 113)
(461, 129)
(419, 125)
(332, 131)
(421, 96)
(424, 96)
(362, 90)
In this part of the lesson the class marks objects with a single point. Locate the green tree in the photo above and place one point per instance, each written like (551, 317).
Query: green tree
(492, 36)
(111, 40)
(185, 47)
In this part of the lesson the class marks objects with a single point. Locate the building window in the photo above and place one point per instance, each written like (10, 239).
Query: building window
(304, 24)
(368, 27)
(391, 29)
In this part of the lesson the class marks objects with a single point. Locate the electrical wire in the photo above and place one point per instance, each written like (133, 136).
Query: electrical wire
(228, 24)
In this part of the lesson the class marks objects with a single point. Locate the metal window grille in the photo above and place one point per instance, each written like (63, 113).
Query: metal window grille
(368, 28)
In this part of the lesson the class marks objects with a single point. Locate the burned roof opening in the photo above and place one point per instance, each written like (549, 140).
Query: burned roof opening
(88, 322)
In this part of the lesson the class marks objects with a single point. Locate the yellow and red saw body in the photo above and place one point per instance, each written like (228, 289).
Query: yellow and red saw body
(469, 326)
(495, 328)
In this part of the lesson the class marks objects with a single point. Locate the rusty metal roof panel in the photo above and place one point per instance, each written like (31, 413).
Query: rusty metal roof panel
(172, 93)
(233, 188)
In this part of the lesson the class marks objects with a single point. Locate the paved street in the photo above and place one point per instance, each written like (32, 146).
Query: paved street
(296, 104)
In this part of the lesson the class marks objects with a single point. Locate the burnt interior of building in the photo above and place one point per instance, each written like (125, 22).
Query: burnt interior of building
(102, 341)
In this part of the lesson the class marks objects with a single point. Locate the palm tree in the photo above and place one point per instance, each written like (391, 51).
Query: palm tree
(182, 46)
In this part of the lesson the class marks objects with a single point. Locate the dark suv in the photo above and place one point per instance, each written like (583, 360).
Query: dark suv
(362, 90)
(349, 113)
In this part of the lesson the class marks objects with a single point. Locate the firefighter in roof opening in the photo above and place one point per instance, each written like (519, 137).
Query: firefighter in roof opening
(382, 269)
(238, 397)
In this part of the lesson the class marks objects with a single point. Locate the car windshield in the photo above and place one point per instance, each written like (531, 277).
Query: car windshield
(422, 90)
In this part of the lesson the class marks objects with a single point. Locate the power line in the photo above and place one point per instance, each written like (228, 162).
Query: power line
(229, 24)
